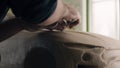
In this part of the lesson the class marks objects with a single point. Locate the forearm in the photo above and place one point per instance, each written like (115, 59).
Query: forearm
(9, 28)
(58, 14)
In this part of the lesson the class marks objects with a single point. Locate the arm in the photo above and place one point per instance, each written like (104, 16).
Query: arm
(43, 12)
(58, 13)
(62, 11)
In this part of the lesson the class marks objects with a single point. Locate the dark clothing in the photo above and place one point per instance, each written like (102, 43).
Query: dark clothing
(33, 11)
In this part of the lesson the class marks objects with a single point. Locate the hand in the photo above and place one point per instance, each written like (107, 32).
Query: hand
(70, 18)
(61, 25)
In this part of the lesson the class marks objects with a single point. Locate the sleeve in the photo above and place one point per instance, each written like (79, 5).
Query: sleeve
(33, 11)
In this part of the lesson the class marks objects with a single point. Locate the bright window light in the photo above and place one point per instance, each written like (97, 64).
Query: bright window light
(104, 17)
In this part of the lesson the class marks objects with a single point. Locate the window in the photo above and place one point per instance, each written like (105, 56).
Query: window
(104, 17)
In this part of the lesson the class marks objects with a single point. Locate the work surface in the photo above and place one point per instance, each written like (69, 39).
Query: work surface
(14, 49)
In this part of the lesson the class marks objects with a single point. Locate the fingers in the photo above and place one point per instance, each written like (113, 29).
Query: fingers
(73, 23)
(61, 25)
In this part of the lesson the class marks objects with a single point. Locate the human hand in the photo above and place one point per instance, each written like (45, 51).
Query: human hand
(70, 18)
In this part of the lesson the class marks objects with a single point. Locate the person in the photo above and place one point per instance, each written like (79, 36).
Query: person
(34, 14)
